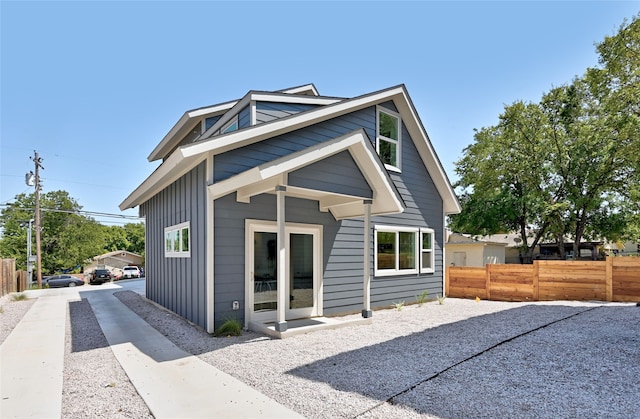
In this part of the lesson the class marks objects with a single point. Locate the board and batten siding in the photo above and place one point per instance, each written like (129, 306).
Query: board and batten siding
(343, 240)
(178, 284)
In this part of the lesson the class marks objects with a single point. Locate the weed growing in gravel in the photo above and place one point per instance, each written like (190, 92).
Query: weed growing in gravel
(421, 298)
(18, 297)
(1, 309)
(231, 327)
(441, 299)
(398, 306)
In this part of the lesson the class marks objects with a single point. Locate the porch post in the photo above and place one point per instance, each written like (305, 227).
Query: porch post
(281, 323)
(366, 309)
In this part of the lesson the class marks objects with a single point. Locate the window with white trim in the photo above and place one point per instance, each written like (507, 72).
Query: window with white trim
(176, 241)
(427, 255)
(396, 250)
(388, 137)
(403, 250)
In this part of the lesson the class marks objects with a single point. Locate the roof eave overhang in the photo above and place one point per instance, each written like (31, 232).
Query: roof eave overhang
(184, 124)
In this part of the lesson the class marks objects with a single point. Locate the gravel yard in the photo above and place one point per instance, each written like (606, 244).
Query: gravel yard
(460, 359)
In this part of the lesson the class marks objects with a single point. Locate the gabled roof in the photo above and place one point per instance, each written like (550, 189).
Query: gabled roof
(265, 178)
(187, 157)
(195, 116)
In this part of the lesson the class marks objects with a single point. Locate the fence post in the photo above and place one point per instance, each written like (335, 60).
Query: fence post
(446, 280)
(487, 280)
(536, 280)
(608, 278)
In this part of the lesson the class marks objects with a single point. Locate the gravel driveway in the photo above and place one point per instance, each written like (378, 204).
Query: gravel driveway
(456, 360)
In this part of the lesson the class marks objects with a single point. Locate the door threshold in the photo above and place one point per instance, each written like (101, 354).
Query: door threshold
(306, 325)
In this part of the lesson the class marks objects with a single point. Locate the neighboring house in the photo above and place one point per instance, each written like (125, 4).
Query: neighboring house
(463, 250)
(287, 205)
(628, 248)
(115, 261)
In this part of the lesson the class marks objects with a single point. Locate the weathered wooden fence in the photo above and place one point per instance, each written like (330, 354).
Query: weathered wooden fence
(615, 279)
(10, 279)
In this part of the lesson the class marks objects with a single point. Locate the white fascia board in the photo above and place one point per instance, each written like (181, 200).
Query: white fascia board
(302, 89)
(451, 205)
(300, 99)
(254, 96)
(170, 170)
(179, 127)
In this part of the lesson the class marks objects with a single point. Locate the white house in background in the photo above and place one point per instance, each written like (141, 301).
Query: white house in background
(462, 250)
(115, 261)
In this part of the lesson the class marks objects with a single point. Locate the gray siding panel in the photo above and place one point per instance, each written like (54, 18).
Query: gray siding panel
(268, 111)
(245, 158)
(338, 174)
(244, 118)
(178, 283)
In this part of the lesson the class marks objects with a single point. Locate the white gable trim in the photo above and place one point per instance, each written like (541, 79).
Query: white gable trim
(188, 156)
(185, 124)
(266, 177)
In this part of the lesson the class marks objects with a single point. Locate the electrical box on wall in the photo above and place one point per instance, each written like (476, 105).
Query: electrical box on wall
(235, 305)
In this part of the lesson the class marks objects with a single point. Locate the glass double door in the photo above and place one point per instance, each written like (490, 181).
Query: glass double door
(302, 246)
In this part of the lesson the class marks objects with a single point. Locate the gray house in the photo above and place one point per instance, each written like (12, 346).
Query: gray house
(290, 205)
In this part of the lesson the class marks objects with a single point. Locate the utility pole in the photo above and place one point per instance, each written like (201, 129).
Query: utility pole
(38, 160)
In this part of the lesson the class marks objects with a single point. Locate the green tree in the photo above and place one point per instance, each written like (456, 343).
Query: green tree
(503, 177)
(566, 166)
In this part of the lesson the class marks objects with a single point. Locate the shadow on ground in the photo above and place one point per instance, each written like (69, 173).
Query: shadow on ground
(458, 369)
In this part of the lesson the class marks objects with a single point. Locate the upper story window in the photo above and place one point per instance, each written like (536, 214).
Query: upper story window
(176, 241)
(388, 137)
(232, 125)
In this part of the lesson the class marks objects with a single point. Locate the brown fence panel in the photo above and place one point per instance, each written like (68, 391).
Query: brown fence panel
(8, 276)
(511, 282)
(466, 282)
(572, 280)
(626, 279)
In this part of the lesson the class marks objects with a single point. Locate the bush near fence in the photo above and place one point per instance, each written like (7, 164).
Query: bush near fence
(615, 279)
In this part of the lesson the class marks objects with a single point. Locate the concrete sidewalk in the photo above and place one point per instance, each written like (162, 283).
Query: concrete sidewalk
(172, 382)
(32, 360)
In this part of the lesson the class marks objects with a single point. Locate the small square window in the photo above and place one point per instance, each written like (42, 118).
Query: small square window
(176, 240)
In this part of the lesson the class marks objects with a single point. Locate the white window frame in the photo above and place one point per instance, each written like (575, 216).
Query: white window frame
(396, 271)
(226, 127)
(398, 142)
(430, 253)
(176, 232)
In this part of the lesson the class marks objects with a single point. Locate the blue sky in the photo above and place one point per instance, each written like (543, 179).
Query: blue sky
(94, 86)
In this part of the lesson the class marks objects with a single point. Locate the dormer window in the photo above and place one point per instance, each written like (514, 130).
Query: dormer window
(388, 138)
(230, 126)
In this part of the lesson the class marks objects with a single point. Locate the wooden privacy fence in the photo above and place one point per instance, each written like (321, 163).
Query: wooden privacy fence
(615, 279)
(10, 279)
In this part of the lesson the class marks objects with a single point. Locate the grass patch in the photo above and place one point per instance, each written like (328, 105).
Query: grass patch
(398, 306)
(441, 300)
(18, 297)
(421, 298)
(231, 327)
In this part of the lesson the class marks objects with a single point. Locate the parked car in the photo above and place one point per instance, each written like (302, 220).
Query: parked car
(59, 281)
(100, 276)
(130, 272)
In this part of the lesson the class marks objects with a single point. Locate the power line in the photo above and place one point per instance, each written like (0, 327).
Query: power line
(79, 212)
